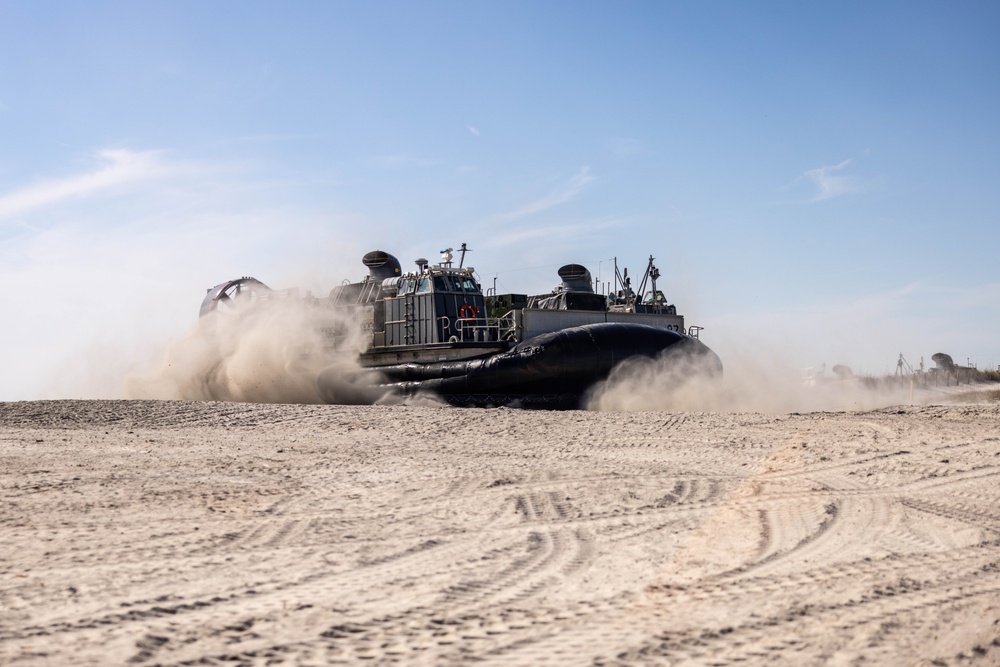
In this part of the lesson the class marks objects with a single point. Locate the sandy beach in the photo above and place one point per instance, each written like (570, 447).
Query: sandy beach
(210, 533)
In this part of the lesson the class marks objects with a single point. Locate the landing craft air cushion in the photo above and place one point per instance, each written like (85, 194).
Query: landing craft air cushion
(434, 331)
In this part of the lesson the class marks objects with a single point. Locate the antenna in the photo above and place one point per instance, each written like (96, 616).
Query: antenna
(651, 272)
(463, 250)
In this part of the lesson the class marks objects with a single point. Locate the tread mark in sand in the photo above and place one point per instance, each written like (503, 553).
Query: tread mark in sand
(739, 642)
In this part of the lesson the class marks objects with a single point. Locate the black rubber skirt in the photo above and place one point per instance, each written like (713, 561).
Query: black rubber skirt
(551, 370)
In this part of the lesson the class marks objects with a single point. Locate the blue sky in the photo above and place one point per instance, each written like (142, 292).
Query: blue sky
(817, 181)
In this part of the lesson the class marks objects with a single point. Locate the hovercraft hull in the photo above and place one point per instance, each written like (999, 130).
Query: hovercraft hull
(554, 369)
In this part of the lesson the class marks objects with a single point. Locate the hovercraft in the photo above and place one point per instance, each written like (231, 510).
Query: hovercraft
(433, 330)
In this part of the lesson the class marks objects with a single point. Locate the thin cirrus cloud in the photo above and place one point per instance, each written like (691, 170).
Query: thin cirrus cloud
(119, 167)
(824, 182)
(576, 229)
(561, 195)
(831, 181)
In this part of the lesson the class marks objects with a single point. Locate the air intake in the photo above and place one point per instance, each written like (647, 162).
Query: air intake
(381, 265)
(944, 362)
(576, 278)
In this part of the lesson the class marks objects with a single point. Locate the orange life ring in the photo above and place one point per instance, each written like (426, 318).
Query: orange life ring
(466, 312)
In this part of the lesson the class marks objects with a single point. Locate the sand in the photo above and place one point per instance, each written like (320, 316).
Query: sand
(207, 533)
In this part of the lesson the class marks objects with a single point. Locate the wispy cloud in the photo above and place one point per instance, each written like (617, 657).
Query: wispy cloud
(561, 195)
(831, 181)
(473, 130)
(576, 229)
(822, 183)
(118, 167)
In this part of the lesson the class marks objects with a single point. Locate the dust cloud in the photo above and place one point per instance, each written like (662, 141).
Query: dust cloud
(262, 353)
(751, 382)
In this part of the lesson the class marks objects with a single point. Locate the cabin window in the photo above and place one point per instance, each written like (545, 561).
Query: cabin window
(468, 284)
(407, 286)
(424, 286)
(441, 285)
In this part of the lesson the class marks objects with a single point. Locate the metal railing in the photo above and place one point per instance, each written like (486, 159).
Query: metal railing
(484, 329)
